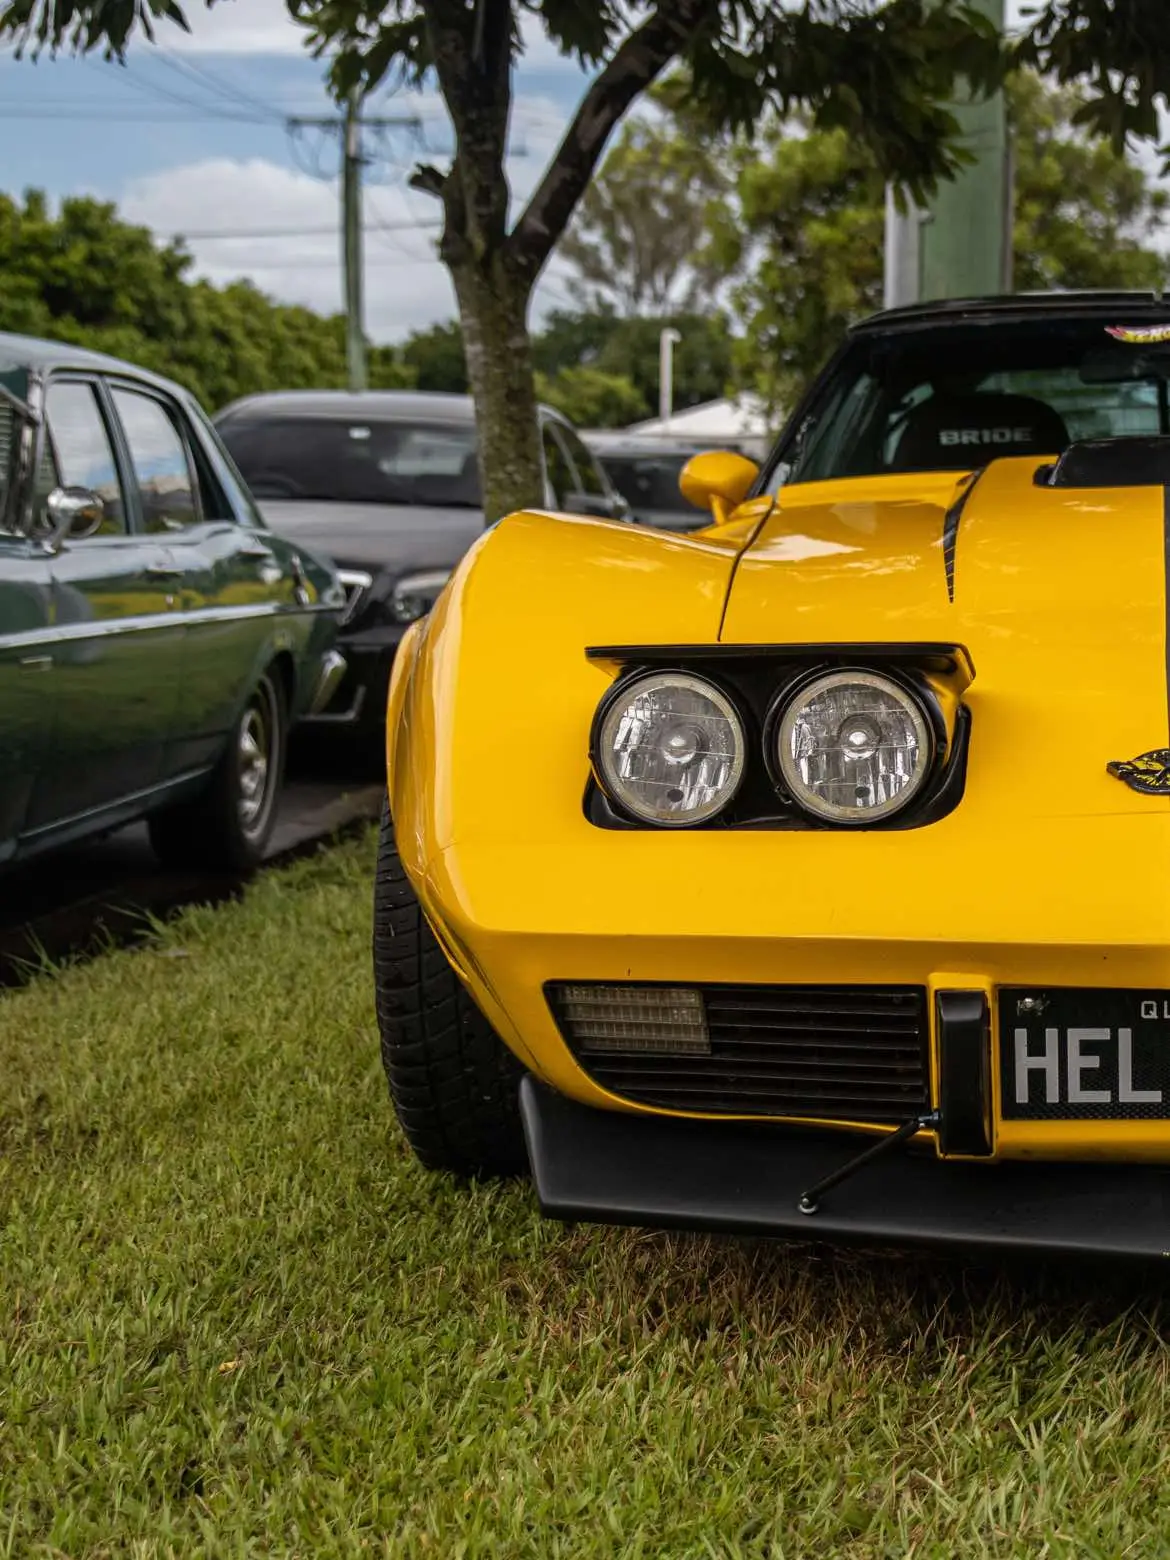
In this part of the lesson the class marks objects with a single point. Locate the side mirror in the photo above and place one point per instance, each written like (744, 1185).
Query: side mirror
(718, 481)
(74, 513)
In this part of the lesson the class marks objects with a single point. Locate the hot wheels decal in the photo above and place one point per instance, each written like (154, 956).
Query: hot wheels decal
(1139, 334)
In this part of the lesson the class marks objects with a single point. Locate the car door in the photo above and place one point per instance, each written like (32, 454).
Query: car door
(117, 637)
(558, 469)
(231, 576)
(26, 688)
(590, 492)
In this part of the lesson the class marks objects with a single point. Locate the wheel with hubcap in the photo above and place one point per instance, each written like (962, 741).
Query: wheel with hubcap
(228, 826)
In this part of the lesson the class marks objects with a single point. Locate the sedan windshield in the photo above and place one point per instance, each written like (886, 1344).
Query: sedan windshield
(356, 461)
(953, 397)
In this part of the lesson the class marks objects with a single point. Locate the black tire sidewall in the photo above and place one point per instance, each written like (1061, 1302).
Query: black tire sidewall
(453, 1082)
(207, 831)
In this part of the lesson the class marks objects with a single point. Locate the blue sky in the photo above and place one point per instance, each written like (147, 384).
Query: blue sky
(192, 136)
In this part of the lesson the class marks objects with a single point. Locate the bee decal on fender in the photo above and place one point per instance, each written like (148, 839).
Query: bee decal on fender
(1150, 772)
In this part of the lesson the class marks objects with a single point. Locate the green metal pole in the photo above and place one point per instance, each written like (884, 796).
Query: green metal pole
(965, 240)
(351, 201)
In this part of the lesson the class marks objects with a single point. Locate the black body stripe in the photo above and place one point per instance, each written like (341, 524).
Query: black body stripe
(951, 531)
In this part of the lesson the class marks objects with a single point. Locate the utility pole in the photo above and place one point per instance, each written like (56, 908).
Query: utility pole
(351, 242)
(350, 125)
(667, 339)
(961, 244)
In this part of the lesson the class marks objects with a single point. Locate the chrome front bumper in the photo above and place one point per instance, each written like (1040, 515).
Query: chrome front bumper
(329, 677)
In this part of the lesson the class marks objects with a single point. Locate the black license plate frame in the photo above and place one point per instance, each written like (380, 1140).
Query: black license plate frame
(1088, 1054)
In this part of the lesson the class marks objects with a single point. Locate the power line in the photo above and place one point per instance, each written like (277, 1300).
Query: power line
(328, 265)
(207, 234)
(225, 89)
(121, 116)
(169, 95)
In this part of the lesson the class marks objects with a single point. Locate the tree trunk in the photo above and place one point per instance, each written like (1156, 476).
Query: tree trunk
(493, 309)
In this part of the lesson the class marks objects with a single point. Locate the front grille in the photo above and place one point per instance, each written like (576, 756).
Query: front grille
(850, 1053)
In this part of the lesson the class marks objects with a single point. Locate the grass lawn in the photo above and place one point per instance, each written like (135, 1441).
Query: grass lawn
(239, 1320)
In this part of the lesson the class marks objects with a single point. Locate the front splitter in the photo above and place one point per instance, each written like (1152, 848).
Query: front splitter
(663, 1172)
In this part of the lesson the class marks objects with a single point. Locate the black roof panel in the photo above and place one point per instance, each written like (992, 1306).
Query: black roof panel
(1020, 306)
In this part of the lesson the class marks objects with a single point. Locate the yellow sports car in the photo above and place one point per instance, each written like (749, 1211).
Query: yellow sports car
(808, 874)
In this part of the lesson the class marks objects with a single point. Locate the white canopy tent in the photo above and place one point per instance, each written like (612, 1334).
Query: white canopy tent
(741, 421)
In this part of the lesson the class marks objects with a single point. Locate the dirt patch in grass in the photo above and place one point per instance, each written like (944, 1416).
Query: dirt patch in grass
(239, 1319)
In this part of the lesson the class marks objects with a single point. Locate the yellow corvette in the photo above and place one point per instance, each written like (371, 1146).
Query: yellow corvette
(808, 874)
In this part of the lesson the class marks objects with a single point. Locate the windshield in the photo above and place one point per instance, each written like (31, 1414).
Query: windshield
(949, 398)
(649, 481)
(356, 461)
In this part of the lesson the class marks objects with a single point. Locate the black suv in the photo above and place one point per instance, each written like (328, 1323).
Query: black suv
(386, 483)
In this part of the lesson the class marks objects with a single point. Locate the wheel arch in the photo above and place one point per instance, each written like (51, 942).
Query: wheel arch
(499, 669)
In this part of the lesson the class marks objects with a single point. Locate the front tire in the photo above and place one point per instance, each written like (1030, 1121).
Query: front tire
(453, 1082)
(227, 827)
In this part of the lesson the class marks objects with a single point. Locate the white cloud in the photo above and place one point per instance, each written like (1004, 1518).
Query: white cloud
(235, 27)
(265, 27)
(406, 286)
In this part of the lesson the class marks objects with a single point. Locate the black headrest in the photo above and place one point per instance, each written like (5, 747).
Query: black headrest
(954, 433)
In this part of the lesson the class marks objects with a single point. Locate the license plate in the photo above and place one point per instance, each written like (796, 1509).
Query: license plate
(1091, 1055)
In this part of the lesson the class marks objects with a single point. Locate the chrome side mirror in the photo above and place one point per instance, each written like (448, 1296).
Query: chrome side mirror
(74, 513)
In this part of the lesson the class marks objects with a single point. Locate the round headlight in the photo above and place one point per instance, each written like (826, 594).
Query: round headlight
(854, 747)
(671, 749)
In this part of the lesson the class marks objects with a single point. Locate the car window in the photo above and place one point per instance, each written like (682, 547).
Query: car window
(9, 430)
(210, 450)
(590, 480)
(356, 460)
(952, 397)
(1088, 411)
(159, 457)
(562, 478)
(650, 482)
(77, 452)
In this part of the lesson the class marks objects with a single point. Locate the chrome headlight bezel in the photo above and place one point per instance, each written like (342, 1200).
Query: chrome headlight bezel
(915, 696)
(617, 698)
(413, 595)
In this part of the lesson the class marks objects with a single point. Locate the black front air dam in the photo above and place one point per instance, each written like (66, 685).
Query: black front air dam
(664, 1173)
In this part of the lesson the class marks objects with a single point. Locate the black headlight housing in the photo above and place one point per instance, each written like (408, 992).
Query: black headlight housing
(761, 682)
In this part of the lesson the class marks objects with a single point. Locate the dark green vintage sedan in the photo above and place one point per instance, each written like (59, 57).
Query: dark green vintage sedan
(156, 638)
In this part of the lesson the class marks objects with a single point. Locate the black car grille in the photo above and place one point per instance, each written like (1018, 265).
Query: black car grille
(851, 1053)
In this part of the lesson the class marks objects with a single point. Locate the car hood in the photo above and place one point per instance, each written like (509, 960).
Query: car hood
(397, 537)
(1058, 594)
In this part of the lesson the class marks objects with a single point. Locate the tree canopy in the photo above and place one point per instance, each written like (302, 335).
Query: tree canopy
(649, 256)
(880, 73)
(86, 277)
(881, 69)
(803, 234)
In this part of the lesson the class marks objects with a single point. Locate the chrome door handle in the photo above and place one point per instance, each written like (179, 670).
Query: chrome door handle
(36, 663)
(258, 552)
(163, 571)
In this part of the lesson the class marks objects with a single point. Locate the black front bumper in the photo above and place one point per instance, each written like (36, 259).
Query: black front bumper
(666, 1173)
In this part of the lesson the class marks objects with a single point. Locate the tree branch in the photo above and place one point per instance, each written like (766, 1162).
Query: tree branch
(633, 68)
(429, 179)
